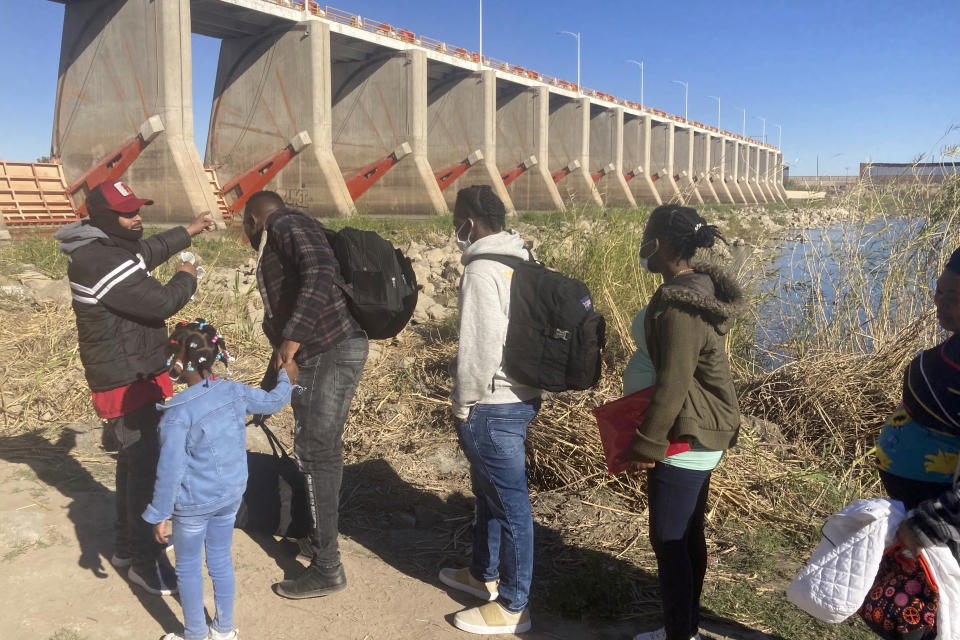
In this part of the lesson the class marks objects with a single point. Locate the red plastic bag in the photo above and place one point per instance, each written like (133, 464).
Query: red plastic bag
(618, 421)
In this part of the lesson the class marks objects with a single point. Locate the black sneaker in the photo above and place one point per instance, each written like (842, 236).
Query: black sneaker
(312, 583)
(153, 580)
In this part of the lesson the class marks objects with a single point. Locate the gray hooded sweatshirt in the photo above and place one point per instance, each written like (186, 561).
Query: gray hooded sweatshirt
(484, 315)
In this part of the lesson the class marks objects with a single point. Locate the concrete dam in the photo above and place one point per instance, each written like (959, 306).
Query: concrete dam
(390, 123)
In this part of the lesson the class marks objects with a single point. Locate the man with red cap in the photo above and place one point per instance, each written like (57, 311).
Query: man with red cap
(121, 315)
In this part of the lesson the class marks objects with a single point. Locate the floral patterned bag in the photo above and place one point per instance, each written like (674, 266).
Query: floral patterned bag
(903, 602)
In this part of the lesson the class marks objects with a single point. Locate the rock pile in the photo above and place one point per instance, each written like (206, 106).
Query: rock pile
(28, 284)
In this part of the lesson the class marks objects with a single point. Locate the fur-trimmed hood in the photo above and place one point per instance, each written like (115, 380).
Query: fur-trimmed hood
(711, 292)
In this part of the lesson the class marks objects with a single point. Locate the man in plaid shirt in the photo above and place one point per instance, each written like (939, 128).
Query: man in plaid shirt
(306, 319)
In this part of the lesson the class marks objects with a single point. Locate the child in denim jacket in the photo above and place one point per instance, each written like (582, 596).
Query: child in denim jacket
(202, 471)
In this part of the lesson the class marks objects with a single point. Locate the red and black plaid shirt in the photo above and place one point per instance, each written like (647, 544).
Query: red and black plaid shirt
(296, 277)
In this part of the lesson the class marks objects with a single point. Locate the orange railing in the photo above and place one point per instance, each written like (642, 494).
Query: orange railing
(384, 29)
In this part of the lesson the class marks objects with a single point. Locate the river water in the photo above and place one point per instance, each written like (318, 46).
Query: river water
(834, 285)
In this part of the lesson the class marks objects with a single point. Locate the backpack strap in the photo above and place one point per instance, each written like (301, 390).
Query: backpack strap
(279, 451)
(511, 261)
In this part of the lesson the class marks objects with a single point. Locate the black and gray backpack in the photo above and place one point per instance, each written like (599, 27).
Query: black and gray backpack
(378, 281)
(555, 339)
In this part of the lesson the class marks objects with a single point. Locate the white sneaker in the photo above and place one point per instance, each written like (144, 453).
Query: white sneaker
(216, 635)
(491, 618)
(463, 580)
(657, 634)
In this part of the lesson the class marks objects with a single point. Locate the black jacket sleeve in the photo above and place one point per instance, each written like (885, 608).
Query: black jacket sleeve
(142, 297)
(158, 248)
(937, 521)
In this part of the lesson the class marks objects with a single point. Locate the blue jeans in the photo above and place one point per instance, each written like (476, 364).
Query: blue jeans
(320, 410)
(493, 439)
(678, 499)
(191, 535)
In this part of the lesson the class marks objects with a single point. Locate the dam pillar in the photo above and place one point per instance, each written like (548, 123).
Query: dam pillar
(121, 62)
(732, 170)
(462, 130)
(718, 167)
(701, 166)
(569, 150)
(744, 173)
(636, 158)
(662, 167)
(379, 99)
(267, 89)
(522, 136)
(606, 148)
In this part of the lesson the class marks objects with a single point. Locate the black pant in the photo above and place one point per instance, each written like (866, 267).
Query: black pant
(678, 499)
(136, 473)
(320, 410)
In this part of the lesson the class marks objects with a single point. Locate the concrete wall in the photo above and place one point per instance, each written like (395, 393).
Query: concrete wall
(661, 154)
(606, 148)
(379, 102)
(122, 61)
(461, 120)
(522, 124)
(636, 158)
(267, 90)
(569, 141)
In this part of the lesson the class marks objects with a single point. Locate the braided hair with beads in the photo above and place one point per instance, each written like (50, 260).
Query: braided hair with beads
(683, 229)
(195, 346)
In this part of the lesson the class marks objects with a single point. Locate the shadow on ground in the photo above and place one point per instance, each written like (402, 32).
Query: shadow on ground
(92, 504)
(418, 532)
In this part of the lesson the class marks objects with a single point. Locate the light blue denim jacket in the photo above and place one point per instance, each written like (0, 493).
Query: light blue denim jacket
(203, 445)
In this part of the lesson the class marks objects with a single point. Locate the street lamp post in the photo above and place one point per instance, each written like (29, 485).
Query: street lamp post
(481, 34)
(779, 136)
(743, 132)
(686, 95)
(639, 64)
(764, 134)
(577, 36)
(718, 109)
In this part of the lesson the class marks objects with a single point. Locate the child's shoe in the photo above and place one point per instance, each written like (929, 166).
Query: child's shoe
(216, 635)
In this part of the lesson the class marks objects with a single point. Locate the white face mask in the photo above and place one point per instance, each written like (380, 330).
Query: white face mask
(464, 244)
(644, 264)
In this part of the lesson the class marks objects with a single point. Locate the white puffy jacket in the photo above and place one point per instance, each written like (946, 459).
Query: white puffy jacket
(842, 569)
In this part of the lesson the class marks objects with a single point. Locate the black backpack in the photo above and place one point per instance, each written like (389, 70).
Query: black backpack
(275, 501)
(378, 281)
(555, 339)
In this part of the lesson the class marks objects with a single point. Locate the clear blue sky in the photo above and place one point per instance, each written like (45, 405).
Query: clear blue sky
(865, 79)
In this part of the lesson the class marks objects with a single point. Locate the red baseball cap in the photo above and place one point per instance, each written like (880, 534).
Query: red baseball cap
(114, 196)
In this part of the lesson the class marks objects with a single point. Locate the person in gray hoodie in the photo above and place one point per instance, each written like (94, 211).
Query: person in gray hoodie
(491, 413)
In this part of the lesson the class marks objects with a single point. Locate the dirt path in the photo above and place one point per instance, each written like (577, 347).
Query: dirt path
(56, 581)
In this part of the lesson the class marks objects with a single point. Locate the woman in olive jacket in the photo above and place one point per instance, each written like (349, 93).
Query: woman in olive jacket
(680, 340)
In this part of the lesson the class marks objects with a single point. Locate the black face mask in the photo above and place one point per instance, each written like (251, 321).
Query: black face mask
(109, 223)
(255, 239)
